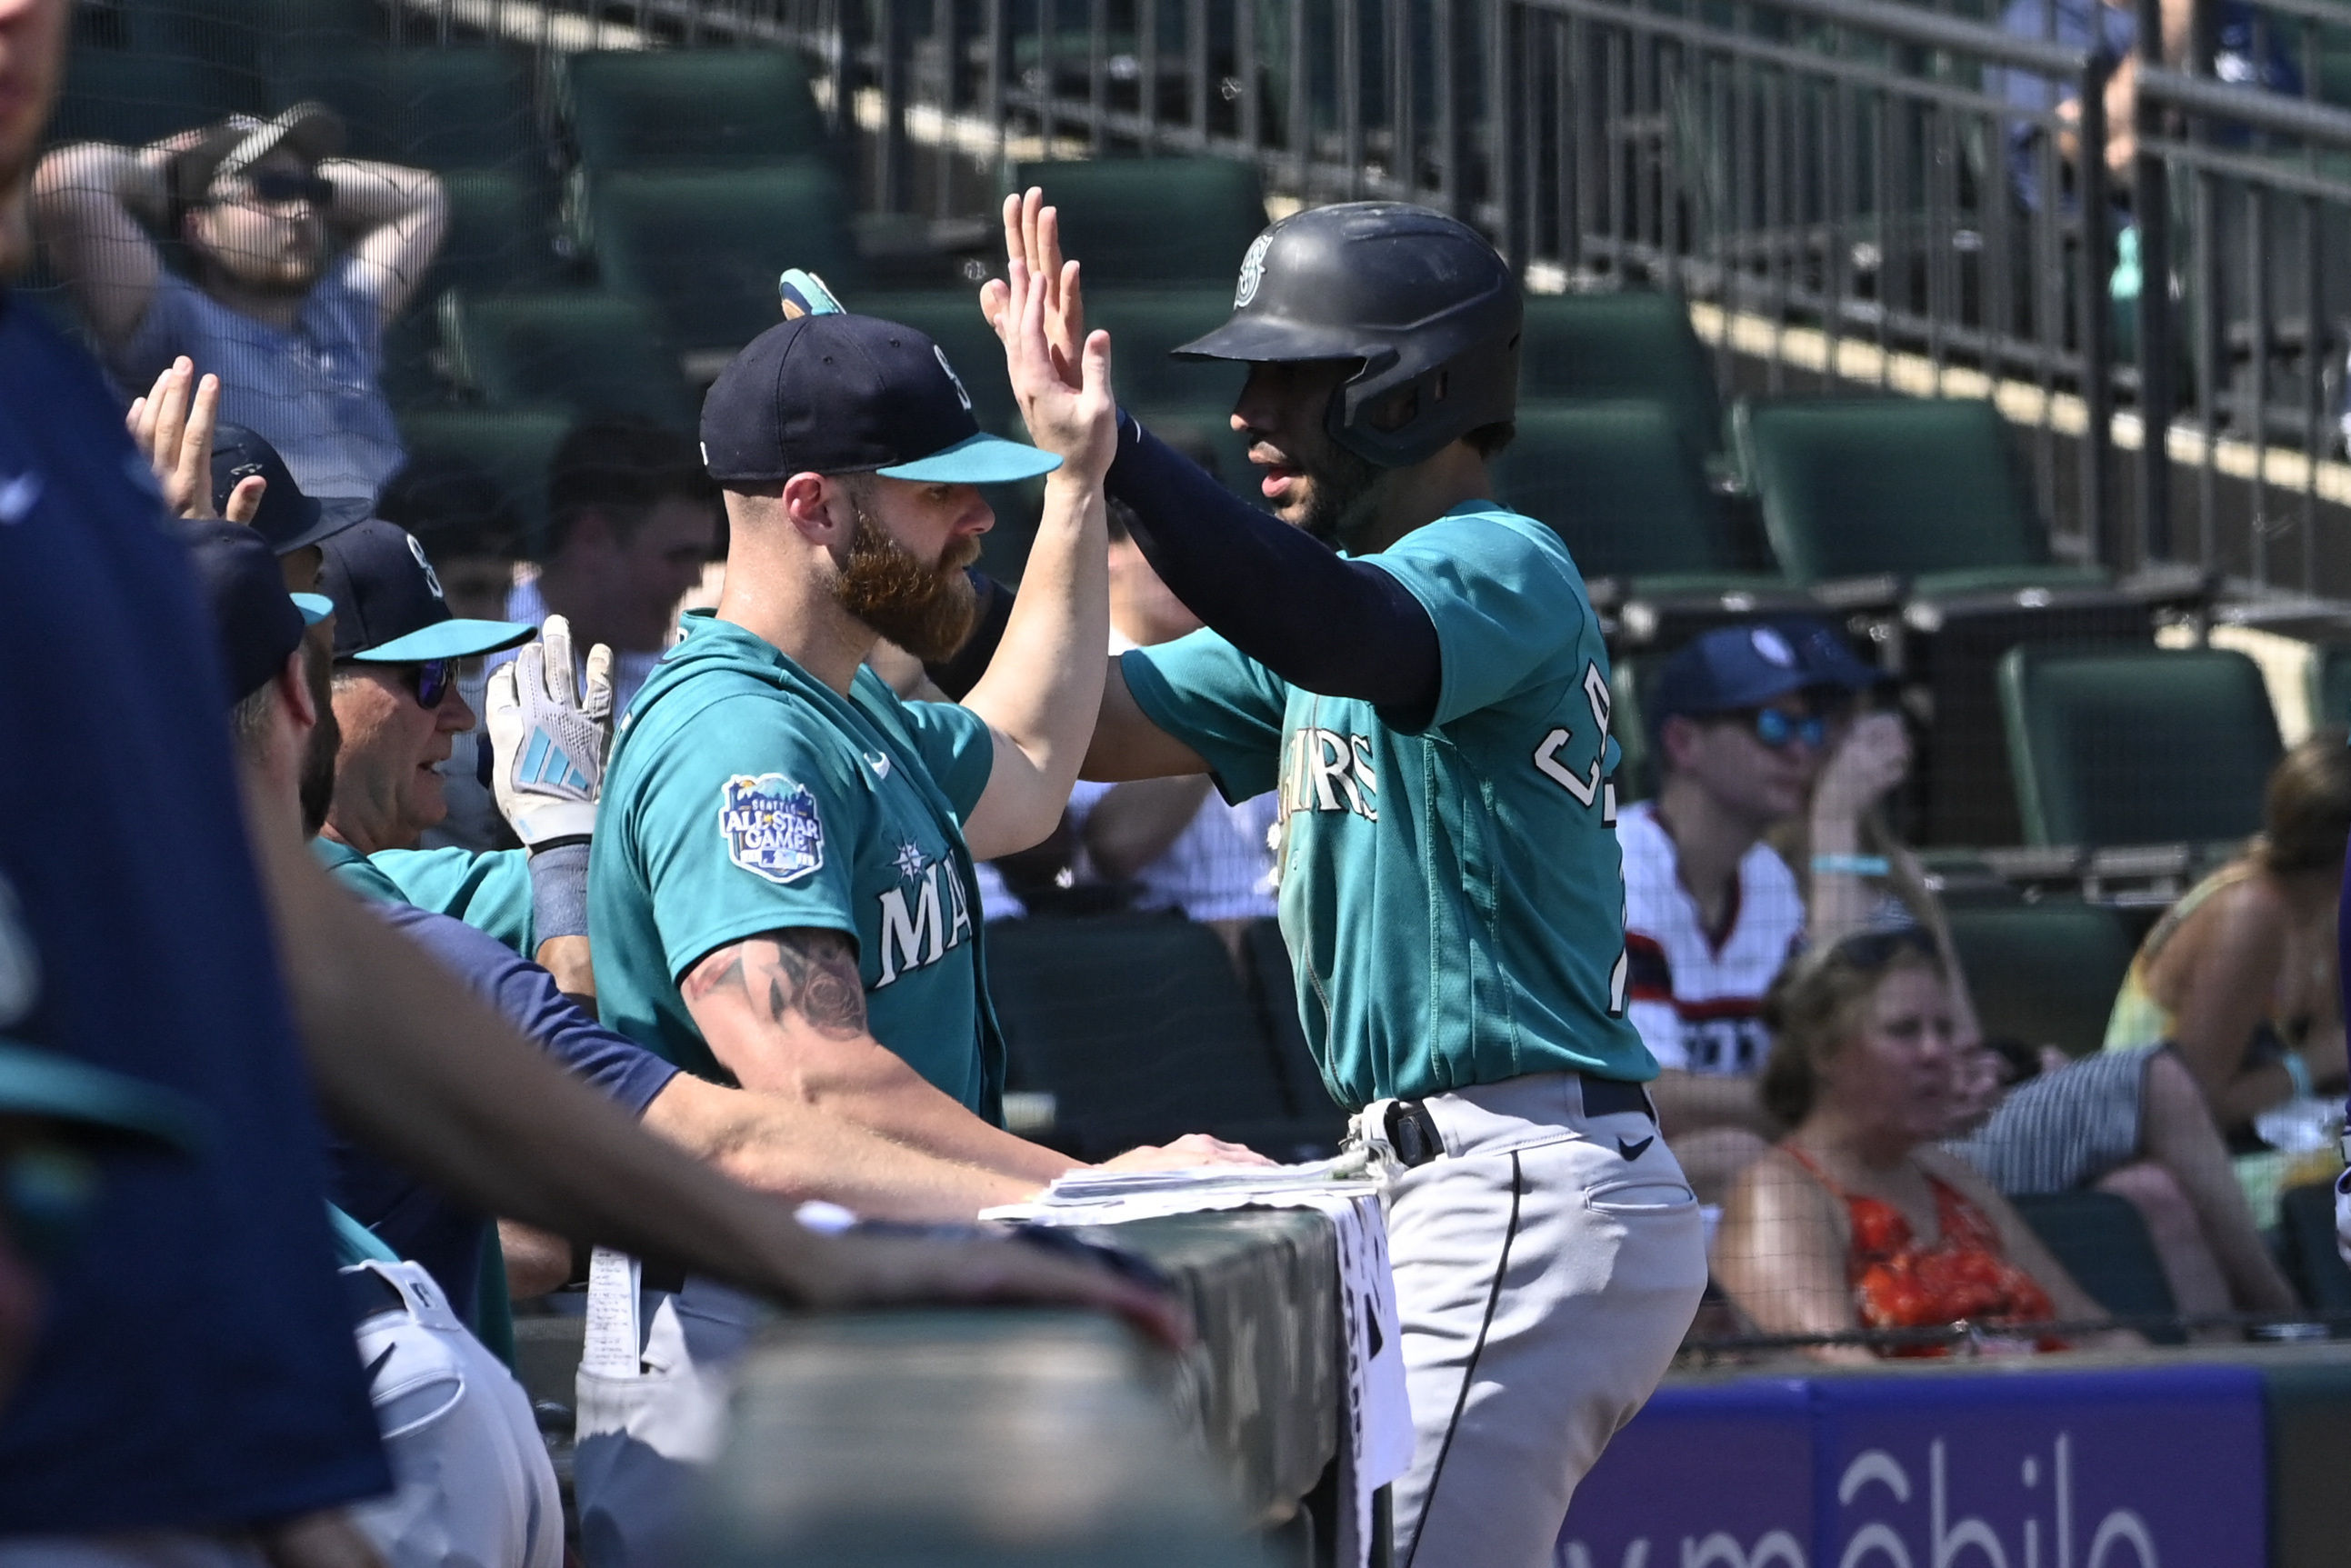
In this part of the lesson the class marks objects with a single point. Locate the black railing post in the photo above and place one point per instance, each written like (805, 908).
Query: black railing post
(2096, 337)
(890, 153)
(2157, 362)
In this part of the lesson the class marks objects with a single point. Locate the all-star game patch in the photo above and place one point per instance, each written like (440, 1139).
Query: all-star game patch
(770, 826)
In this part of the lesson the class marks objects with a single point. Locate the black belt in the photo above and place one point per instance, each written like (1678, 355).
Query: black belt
(367, 1292)
(1413, 1134)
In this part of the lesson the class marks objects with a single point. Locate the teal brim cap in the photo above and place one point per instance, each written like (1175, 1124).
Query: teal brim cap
(981, 459)
(315, 607)
(449, 640)
(43, 1083)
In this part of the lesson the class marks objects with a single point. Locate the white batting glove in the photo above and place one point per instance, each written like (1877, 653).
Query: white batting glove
(549, 742)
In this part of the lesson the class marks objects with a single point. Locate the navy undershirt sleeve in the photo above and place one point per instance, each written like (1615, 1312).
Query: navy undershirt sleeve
(1326, 624)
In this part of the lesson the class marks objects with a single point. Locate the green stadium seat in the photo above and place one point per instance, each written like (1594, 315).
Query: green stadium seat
(502, 234)
(1625, 489)
(1153, 221)
(1631, 681)
(2330, 684)
(704, 248)
(2104, 1244)
(1277, 999)
(1144, 325)
(589, 352)
(2136, 746)
(1139, 1028)
(512, 447)
(1634, 344)
(636, 109)
(2044, 973)
(1928, 488)
(135, 97)
(2306, 1225)
(457, 108)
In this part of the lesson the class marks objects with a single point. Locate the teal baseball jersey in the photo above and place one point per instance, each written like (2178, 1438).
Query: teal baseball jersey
(1453, 900)
(744, 796)
(489, 891)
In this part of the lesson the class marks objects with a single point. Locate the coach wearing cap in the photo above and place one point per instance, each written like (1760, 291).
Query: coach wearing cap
(301, 259)
(293, 524)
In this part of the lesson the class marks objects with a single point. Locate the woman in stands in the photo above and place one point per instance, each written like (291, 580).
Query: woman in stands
(2239, 976)
(1857, 1219)
(2128, 1121)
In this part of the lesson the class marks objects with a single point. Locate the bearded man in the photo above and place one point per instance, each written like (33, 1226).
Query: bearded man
(302, 258)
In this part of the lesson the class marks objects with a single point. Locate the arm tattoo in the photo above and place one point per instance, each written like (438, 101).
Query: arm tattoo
(811, 973)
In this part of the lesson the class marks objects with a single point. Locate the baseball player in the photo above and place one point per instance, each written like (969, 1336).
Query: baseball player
(1431, 701)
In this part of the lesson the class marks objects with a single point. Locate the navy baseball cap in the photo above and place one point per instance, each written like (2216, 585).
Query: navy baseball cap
(289, 519)
(1735, 667)
(258, 622)
(389, 608)
(95, 1102)
(837, 394)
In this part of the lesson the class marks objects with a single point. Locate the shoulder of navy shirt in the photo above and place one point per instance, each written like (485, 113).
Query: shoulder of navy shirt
(414, 1219)
(195, 1367)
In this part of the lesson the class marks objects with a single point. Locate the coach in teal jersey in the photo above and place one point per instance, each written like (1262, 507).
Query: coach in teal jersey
(780, 893)
(1431, 699)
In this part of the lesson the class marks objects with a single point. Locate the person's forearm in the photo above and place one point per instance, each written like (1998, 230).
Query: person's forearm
(568, 959)
(776, 1145)
(1337, 627)
(1135, 823)
(1043, 687)
(1687, 1102)
(411, 1063)
(369, 195)
(1839, 904)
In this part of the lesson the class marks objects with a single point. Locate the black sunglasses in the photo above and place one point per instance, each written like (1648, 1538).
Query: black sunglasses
(1776, 729)
(284, 186)
(430, 679)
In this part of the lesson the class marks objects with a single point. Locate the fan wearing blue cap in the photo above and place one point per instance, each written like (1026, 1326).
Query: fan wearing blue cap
(1740, 719)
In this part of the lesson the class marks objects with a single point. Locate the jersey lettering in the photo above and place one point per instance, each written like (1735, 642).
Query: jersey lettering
(1327, 771)
(1586, 786)
(918, 937)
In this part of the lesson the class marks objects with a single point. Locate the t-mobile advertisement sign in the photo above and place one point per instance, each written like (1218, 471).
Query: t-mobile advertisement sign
(2027, 1468)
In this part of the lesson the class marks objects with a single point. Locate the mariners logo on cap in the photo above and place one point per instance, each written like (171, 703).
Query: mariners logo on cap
(1253, 269)
(431, 577)
(1772, 648)
(770, 826)
(964, 395)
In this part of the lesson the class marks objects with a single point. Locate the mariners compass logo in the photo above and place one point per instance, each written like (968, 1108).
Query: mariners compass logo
(1252, 270)
(770, 826)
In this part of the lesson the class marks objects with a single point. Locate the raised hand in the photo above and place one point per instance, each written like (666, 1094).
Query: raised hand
(549, 740)
(172, 425)
(1068, 414)
(1032, 240)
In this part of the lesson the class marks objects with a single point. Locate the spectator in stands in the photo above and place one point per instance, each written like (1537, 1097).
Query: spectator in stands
(2130, 1124)
(1741, 718)
(1856, 1220)
(1183, 847)
(293, 325)
(2240, 976)
(633, 518)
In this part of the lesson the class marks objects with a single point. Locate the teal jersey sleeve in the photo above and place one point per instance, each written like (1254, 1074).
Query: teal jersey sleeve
(357, 874)
(957, 746)
(744, 825)
(1216, 700)
(490, 892)
(1503, 594)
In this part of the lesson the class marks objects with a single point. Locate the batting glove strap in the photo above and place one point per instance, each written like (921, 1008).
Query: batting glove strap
(559, 891)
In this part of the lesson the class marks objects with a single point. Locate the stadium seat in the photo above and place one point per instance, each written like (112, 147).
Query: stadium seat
(512, 446)
(2306, 1224)
(1625, 490)
(2044, 973)
(703, 249)
(1139, 1028)
(1631, 679)
(1634, 344)
(1276, 996)
(1154, 221)
(589, 352)
(1928, 488)
(458, 108)
(1144, 325)
(2330, 684)
(2104, 1244)
(2136, 746)
(120, 96)
(502, 234)
(636, 109)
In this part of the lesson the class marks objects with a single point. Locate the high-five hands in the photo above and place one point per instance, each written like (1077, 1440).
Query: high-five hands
(172, 426)
(1059, 371)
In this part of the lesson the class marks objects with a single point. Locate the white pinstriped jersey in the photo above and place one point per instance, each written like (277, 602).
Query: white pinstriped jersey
(1695, 997)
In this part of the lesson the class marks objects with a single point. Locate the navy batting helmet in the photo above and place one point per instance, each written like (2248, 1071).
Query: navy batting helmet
(1420, 299)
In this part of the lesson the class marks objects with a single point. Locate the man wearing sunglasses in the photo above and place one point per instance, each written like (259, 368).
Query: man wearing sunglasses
(302, 257)
(1740, 719)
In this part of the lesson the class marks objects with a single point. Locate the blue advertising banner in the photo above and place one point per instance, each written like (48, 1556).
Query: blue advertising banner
(2012, 1468)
